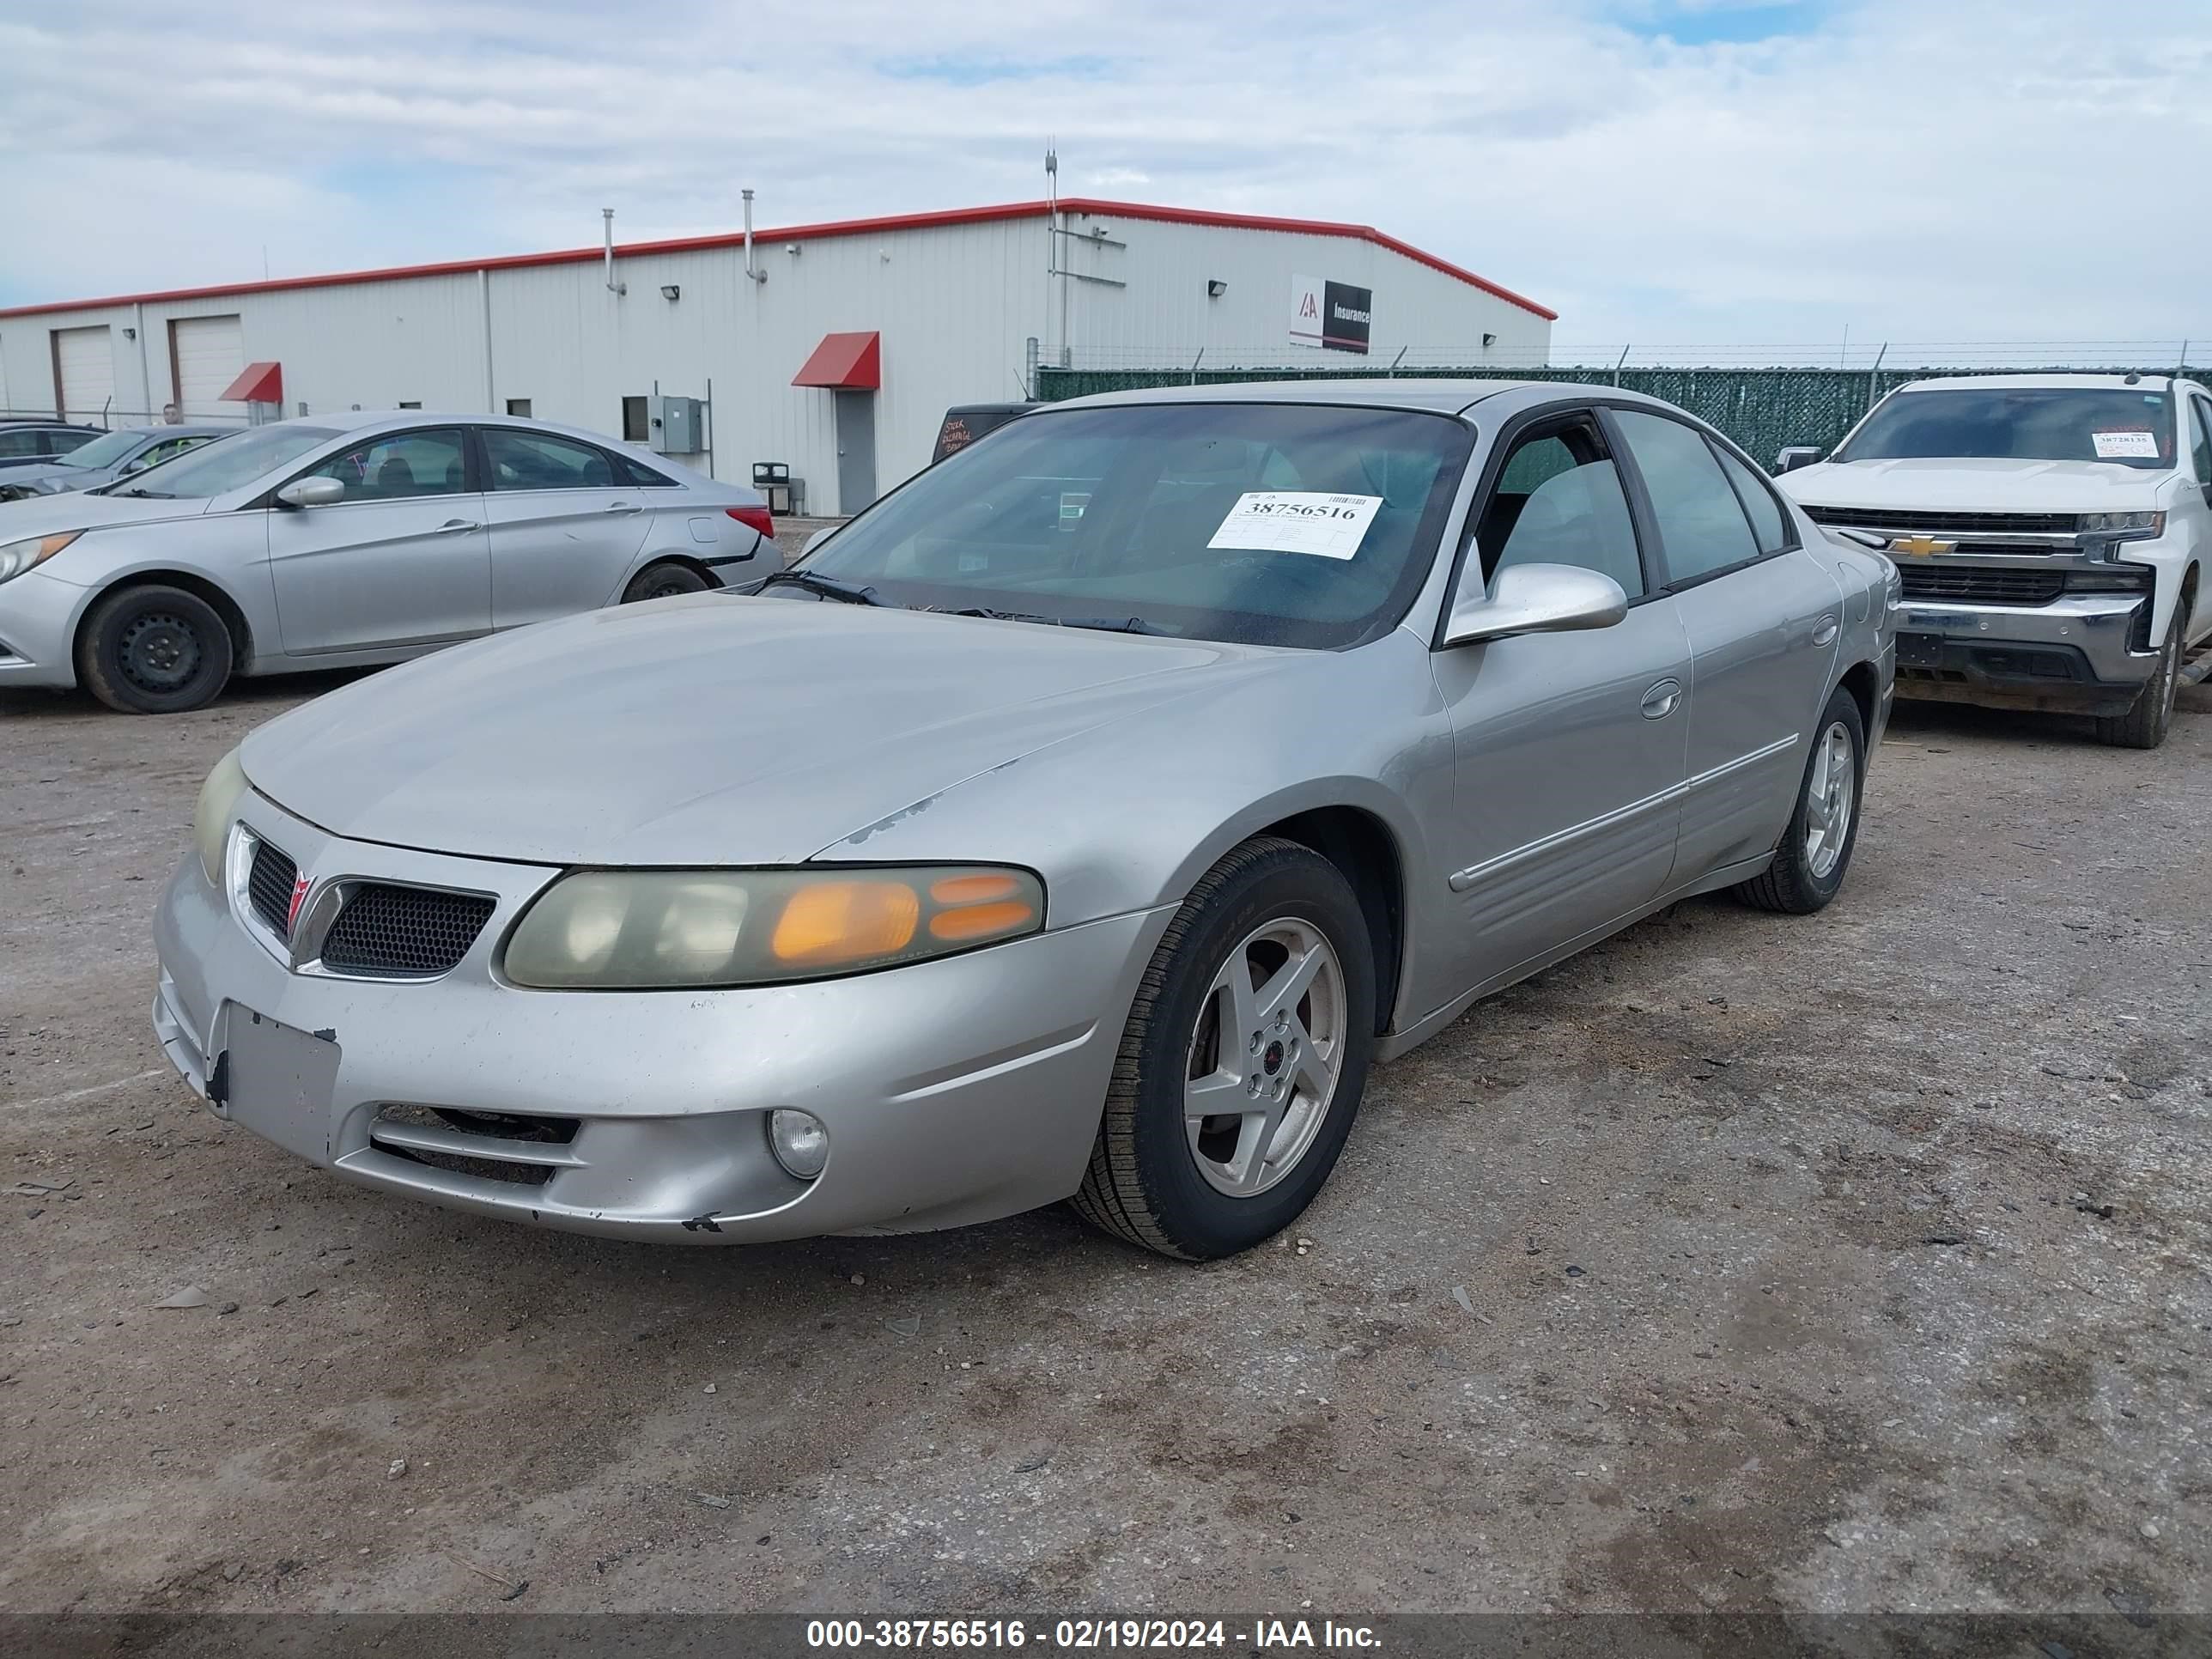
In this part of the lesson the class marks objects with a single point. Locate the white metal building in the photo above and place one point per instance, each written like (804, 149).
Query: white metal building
(928, 310)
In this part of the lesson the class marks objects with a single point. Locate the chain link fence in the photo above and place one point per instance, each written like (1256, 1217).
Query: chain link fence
(1761, 409)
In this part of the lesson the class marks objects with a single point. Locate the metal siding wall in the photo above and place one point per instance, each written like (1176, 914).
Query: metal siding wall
(955, 305)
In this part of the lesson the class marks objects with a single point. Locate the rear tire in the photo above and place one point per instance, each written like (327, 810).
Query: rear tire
(2145, 726)
(663, 581)
(1815, 854)
(1198, 1184)
(154, 650)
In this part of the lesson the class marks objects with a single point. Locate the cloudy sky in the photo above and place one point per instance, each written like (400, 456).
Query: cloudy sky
(1701, 172)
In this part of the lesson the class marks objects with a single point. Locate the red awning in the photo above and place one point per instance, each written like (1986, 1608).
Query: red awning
(262, 383)
(851, 362)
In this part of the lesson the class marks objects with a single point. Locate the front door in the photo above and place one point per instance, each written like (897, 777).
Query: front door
(402, 560)
(566, 522)
(856, 450)
(1569, 748)
(1762, 616)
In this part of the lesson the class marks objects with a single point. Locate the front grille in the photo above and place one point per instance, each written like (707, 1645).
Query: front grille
(1980, 584)
(482, 1169)
(409, 932)
(269, 887)
(1997, 524)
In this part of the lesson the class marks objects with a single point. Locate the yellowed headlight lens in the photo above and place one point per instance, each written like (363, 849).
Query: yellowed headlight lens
(213, 811)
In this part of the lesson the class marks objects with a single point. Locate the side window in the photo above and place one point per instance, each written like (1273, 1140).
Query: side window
(24, 441)
(1768, 527)
(66, 442)
(2200, 438)
(1559, 501)
(1702, 527)
(533, 461)
(166, 450)
(399, 466)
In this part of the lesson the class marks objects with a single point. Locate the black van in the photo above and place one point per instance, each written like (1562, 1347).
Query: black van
(968, 422)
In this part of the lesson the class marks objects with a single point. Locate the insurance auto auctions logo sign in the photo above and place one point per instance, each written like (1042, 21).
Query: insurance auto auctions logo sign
(1335, 315)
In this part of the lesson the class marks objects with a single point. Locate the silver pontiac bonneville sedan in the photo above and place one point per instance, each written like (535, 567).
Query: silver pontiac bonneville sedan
(1080, 820)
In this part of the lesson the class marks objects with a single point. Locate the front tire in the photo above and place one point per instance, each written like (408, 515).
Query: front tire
(154, 650)
(2145, 725)
(1242, 1064)
(663, 580)
(1815, 854)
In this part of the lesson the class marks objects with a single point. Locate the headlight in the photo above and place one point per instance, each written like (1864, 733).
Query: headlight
(212, 813)
(656, 929)
(16, 558)
(2144, 525)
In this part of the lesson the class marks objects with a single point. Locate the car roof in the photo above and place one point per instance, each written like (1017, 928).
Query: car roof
(370, 421)
(2054, 382)
(46, 421)
(1449, 396)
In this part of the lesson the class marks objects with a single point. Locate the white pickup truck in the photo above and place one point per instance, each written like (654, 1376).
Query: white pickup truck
(2053, 532)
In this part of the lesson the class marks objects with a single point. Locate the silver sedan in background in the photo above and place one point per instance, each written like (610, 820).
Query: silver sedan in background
(110, 457)
(349, 539)
(1079, 820)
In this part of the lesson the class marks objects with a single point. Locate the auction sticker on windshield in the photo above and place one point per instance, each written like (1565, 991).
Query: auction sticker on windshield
(2135, 445)
(1298, 521)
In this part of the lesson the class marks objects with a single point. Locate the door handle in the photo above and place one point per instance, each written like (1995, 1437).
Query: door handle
(1659, 702)
(454, 526)
(622, 506)
(1824, 631)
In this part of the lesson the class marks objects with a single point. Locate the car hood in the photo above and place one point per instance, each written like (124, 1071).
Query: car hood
(707, 730)
(76, 510)
(1976, 486)
(48, 474)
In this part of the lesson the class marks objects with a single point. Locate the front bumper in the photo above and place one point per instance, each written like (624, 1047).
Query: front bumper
(37, 619)
(953, 1091)
(2076, 655)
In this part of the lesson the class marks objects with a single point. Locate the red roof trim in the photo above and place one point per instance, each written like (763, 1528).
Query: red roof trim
(976, 216)
(846, 363)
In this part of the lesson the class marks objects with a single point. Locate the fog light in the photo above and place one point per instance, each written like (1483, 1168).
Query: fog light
(800, 1142)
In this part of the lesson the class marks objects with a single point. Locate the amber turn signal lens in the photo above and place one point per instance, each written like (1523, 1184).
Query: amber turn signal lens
(981, 921)
(972, 889)
(835, 921)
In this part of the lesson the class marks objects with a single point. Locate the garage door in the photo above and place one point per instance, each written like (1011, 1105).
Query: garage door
(210, 353)
(84, 359)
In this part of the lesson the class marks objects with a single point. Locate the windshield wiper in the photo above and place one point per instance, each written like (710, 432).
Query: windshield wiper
(145, 493)
(1107, 624)
(828, 586)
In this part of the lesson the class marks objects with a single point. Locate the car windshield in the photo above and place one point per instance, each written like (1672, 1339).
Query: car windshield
(104, 450)
(2117, 425)
(228, 464)
(1295, 525)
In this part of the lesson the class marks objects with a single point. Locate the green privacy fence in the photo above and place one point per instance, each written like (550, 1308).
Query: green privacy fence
(1762, 408)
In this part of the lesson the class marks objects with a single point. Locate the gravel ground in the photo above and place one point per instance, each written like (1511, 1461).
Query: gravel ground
(1842, 1263)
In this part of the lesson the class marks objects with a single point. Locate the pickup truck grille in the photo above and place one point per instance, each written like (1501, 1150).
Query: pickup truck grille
(1980, 584)
(1962, 524)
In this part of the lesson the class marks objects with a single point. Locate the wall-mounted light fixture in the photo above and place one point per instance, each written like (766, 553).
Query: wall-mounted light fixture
(130, 333)
(1488, 340)
(672, 290)
(1215, 287)
(793, 249)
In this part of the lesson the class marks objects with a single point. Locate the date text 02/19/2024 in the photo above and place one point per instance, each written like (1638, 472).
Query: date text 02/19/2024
(1092, 1635)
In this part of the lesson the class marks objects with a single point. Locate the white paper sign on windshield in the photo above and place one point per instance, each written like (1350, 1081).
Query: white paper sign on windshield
(1298, 521)
(2125, 445)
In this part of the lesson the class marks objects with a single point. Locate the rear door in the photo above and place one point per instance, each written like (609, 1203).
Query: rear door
(1762, 616)
(402, 560)
(565, 522)
(1568, 748)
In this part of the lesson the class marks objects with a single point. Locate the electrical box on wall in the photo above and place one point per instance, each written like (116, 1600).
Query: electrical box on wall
(675, 426)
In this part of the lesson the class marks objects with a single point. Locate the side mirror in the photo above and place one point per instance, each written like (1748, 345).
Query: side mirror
(1537, 598)
(1795, 456)
(311, 492)
(817, 539)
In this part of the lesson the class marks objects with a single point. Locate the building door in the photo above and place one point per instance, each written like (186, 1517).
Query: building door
(856, 449)
(206, 353)
(84, 372)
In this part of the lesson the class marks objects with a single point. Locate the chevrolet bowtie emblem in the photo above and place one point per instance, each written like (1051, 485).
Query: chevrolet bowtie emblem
(1920, 547)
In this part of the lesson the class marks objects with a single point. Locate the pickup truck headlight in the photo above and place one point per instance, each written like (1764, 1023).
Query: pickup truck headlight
(636, 930)
(2136, 526)
(213, 811)
(16, 558)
